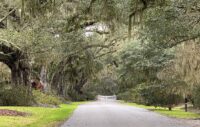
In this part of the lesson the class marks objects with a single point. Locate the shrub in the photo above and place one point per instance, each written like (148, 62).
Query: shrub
(131, 96)
(160, 95)
(126, 96)
(15, 96)
(46, 98)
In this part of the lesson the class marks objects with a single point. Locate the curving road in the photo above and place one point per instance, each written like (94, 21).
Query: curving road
(104, 114)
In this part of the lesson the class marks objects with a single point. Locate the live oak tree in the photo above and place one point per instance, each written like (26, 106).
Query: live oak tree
(163, 27)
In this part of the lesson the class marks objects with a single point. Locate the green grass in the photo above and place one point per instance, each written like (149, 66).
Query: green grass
(176, 112)
(40, 116)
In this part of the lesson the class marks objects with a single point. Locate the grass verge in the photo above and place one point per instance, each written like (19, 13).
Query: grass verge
(40, 116)
(176, 112)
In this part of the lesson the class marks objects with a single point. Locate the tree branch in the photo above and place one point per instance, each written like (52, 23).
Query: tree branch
(77, 17)
(98, 31)
(133, 14)
(184, 40)
(110, 52)
(1, 20)
(4, 57)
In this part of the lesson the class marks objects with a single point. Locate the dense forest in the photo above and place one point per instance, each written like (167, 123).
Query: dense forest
(144, 51)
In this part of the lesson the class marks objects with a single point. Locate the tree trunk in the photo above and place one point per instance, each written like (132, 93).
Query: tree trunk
(22, 11)
(43, 77)
(170, 107)
(20, 74)
(130, 27)
(186, 106)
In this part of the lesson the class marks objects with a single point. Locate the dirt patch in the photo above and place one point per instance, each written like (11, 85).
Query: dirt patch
(6, 112)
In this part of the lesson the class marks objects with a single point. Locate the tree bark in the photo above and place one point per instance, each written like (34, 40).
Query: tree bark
(43, 77)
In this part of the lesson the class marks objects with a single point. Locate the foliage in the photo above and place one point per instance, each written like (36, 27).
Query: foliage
(76, 70)
(141, 62)
(155, 58)
(164, 25)
(186, 63)
(15, 96)
(161, 95)
(132, 95)
(46, 99)
(155, 94)
(196, 97)
(106, 86)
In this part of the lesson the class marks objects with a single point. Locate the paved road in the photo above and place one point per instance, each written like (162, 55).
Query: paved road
(101, 114)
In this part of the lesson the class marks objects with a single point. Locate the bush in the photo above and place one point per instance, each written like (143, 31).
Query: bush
(46, 98)
(131, 96)
(15, 96)
(160, 95)
(126, 96)
(152, 94)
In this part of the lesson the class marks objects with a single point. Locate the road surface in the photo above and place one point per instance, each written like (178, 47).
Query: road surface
(104, 114)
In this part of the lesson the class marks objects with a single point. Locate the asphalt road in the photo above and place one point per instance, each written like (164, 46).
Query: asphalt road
(104, 114)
